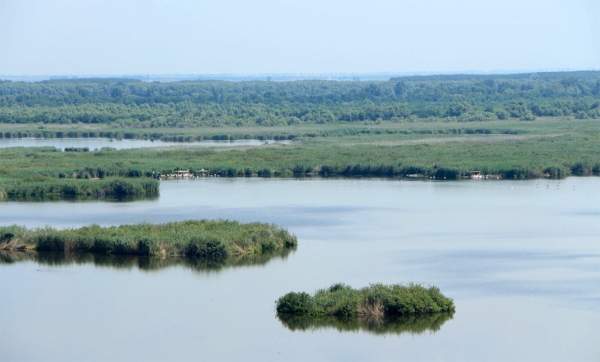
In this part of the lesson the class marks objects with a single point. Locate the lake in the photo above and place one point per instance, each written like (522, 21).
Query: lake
(121, 144)
(521, 260)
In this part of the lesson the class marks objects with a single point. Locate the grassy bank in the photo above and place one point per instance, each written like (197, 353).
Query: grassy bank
(204, 240)
(377, 303)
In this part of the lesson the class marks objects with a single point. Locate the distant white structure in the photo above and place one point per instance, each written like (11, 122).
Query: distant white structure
(476, 175)
(179, 174)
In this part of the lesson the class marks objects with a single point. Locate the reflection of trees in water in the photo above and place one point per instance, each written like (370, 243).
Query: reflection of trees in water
(142, 263)
(398, 325)
(10, 257)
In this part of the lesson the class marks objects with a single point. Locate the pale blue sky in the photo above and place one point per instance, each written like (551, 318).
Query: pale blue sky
(303, 36)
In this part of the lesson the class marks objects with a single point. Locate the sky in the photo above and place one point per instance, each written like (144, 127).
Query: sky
(85, 37)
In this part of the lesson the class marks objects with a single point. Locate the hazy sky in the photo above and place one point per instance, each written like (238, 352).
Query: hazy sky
(296, 36)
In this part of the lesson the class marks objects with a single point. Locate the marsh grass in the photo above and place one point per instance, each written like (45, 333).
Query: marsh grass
(545, 148)
(214, 241)
(375, 304)
(111, 188)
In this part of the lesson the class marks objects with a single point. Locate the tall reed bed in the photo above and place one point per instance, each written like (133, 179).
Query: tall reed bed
(205, 240)
(377, 302)
(110, 188)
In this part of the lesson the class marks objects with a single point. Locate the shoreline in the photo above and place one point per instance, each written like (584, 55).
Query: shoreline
(152, 192)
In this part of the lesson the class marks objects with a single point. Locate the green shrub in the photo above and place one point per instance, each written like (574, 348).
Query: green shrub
(48, 241)
(6, 236)
(206, 249)
(298, 304)
(581, 169)
(103, 245)
(268, 245)
(146, 247)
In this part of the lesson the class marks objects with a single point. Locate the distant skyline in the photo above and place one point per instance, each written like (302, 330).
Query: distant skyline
(285, 37)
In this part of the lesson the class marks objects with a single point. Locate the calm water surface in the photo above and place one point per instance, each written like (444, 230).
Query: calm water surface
(521, 260)
(98, 143)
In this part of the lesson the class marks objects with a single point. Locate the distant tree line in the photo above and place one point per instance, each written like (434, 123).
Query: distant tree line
(215, 103)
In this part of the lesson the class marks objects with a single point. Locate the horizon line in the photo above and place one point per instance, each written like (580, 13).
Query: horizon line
(298, 75)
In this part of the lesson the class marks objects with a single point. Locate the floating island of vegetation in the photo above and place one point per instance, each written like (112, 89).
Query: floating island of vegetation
(378, 308)
(211, 241)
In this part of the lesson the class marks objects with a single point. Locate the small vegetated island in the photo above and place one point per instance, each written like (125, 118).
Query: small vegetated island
(214, 242)
(378, 308)
(109, 188)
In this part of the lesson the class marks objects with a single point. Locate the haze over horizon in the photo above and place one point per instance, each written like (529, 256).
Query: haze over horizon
(134, 37)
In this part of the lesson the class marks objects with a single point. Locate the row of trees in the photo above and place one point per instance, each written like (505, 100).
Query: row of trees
(428, 88)
(214, 103)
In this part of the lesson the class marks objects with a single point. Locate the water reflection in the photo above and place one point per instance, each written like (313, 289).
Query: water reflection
(393, 326)
(55, 259)
(94, 144)
(520, 258)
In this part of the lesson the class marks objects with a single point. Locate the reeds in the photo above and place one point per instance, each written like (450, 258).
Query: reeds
(373, 304)
(204, 240)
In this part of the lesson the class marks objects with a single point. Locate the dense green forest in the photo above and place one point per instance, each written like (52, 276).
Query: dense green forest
(138, 104)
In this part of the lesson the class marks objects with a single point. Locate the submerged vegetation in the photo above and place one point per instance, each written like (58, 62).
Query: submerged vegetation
(370, 308)
(212, 241)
